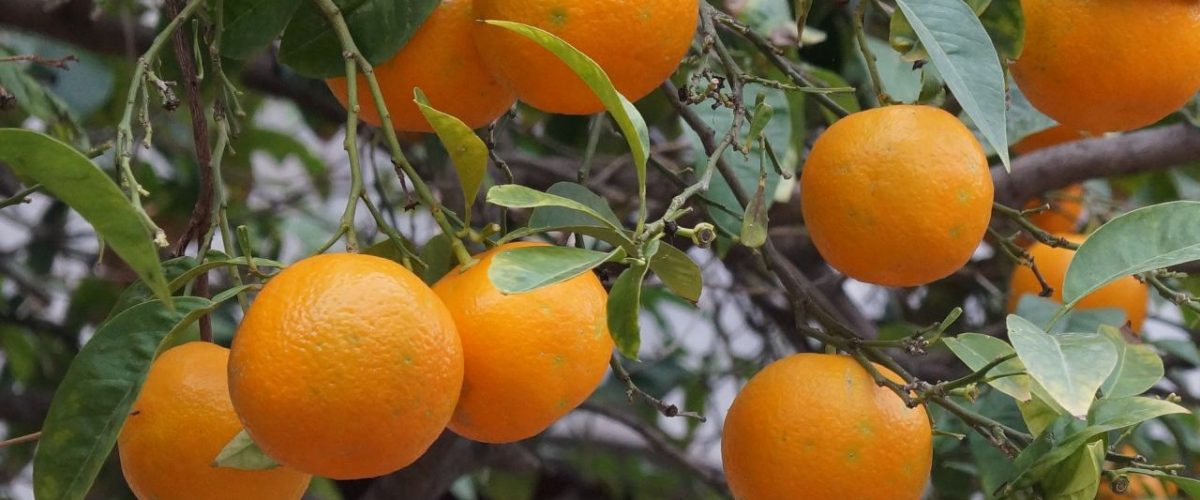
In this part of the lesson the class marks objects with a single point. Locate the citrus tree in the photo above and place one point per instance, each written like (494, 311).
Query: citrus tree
(592, 249)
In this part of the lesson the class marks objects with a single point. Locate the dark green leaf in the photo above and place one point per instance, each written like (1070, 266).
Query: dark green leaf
(74, 179)
(1070, 366)
(1005, 23)
(251, 25)
(438, 257)
(94, 397)
(966, 60)
(467, 151)
(379, 28)
(1143, 240)
(526, 269)
(623, 112)
(518, 196)
(624, 304)
(560, 217)
(20, 354)
(678, 272)
(244, 454)
(1138, 367)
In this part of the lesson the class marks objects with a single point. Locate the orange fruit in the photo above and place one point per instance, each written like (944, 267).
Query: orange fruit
(1127, 294)
(181, 420)
(345, 366)
(898, 196)
(638, 44)
(1052, 136)
(441, 59)
(1066, 206)
(817, 426)
(530, 357)
(1109, 65)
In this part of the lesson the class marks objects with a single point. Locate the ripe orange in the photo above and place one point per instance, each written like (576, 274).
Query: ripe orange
(638, 44)
(1052, 136)
(346, 366)
(1109, 65)
(530, 357)
(817, 426)
(180, 422)
(440, 59)
(897, 196)
(1127, 294)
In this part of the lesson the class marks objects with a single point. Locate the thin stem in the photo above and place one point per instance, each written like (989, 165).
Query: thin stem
(28, 438)
(1018, 216)
(595, 126)
(22, 196)
(860, 34)
(631, 389)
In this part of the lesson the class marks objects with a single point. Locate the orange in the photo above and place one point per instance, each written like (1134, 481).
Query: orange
(530, 357)
(181, 420)
(1052, 136)
(1109, 65)
(1066, 206)
(1127, 294)
(897, 196)
(345, 366)
(638, 44)
(817, 426)
(440, 59)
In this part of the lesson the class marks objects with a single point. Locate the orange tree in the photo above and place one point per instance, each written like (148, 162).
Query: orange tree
(811, 200)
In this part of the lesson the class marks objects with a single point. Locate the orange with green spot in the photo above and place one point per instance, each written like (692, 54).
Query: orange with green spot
(818, 426)
(345, 366)
(638, 43)
(530, 357)
(897, 196)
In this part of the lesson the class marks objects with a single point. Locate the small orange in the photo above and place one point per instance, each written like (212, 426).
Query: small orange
(638, 44)
(440, 59)
(1127, 294)
(817, 426)
(181, 420)
(898, 196)
(1109, 65)
(530, 357)
(345, 366)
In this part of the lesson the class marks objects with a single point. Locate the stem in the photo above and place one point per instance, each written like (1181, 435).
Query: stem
(28, 438)
(631, 389)
(21, 196)
(860, 34)
(1038, 233)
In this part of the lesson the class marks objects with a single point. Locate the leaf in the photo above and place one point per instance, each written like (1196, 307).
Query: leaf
(438, 257)
(1005, 24)
(967, 61)
(380, 28)
(1142, 240)
(678, 272)
(467, 150)
(627, 117)
(754, 221)
(624, 304)
(1138, 367)
(1184, 349)
(1024, 120)
(559, 217)
(977, 350)
(759, 120)
(74, 179)
(602, 233)
(1078, 476)
(1187, 484)
(518, 196)
(94, 398)
(1069, 366)
(251, 25)
(1039, 311)
(903, 38)
(526, 269)
(1037, 413)
(243, 453)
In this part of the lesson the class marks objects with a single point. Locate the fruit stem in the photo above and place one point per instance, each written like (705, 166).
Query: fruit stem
(860, 34)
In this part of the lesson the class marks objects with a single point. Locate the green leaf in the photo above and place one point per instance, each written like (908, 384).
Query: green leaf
(91, 403)
(560, 217)
(1078, 476)
(1187, 484)
(904, 40)
(966, 60)
(439, 258)
(243, 453)
(74, 179)
(1024, 120)
(1138, 367)
(251, 25)
(380, 28)
(602, 233)
(467, 151)
(623, 112)
(1070, 366)
(758, 120)
(754, 221)
(526, 269)
(20, 353)
(1039, 311)
(518, 196)
(977, 350)
(1037, 413)
(624, 304)
(1143, 240)
(678, 272)
(1005, 24)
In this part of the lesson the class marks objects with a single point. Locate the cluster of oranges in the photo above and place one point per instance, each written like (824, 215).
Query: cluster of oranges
(475, 71)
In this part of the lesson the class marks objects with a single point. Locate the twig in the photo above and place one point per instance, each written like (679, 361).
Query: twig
(860, 35)
(60, 63)
(28, 438)
(22, 196)
(201, 213)
(631, 389)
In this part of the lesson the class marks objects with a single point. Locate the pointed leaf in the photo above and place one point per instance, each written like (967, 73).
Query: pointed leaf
(1071, 366)
(379, 28)
(627, 117)
(243, 453)
(527, 269)
(977, 350)
(74, 179)
(1138, 367)
(624, 304)
(467, 151)
(1078, 476)
(91, 403)
(763, 113)
(966, 59)
(678, 272)
(518, 196)
(1143, 240)
(555, 216)
(251, 25)
(754, 221)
